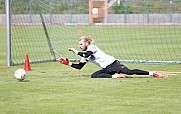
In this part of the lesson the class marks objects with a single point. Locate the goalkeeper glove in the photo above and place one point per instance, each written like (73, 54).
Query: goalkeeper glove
(65, 61)
(73, 50)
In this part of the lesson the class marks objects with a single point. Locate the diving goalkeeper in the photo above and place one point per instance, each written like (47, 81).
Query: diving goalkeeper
(110, 67)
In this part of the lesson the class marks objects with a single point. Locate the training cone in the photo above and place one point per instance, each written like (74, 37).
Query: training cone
(27, 64)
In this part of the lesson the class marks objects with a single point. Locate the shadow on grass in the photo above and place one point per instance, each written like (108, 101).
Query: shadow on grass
(23, 80)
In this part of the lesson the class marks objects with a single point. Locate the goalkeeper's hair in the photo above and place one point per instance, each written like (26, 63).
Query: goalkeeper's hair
(87, 39)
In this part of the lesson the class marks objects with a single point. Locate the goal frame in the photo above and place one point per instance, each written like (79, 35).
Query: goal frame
(89, 22)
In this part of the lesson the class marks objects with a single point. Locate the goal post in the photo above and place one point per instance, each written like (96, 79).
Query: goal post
(8, 34)
(132, 31)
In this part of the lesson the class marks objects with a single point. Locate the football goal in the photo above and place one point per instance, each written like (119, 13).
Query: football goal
(141, 31)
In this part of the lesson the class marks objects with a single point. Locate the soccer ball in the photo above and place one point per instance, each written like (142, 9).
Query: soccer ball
(20, 74)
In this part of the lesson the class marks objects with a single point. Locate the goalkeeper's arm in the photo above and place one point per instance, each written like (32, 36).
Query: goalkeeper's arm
(85, 54)
(65, 61)
(82, 54)
(78, 66)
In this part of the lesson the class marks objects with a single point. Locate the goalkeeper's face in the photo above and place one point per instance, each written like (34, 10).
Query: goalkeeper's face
(83, 44)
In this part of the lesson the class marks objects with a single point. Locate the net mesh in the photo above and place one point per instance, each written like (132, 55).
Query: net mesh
(133, 31)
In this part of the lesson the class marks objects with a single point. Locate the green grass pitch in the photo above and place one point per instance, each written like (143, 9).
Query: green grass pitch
(52, 88)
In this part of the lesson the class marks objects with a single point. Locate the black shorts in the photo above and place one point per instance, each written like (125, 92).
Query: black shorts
(115, 67)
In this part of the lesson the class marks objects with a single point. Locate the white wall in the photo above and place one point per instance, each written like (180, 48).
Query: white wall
(83, 18)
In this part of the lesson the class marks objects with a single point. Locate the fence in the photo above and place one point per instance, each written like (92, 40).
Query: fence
(112, 18)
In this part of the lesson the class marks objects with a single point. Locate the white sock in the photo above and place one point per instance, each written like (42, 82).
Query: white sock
(70, 63)
(114, 76)
(151, 73)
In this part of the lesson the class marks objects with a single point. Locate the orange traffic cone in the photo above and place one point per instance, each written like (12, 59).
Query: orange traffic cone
(27, 64)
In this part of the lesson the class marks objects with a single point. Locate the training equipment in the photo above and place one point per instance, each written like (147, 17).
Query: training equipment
(64, 61)
(158, 75)
(139, 31)
(20, 74)
(27, 64)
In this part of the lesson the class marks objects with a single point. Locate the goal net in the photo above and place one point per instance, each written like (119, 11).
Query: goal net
(141, 31)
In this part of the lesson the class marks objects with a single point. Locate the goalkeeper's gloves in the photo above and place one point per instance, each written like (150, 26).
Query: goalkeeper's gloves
(73, 50)
(65, 61)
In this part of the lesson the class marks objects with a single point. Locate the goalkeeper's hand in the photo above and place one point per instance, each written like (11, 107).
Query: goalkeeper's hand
(73, 50)
(65, 61)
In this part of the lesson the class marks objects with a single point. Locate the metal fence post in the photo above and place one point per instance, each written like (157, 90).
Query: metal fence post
(50, 11)
(147, 10)
(125, 11)
(30, 12)
(171, 11)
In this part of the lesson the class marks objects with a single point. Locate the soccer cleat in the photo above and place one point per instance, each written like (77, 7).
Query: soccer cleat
(158, 75)
(120, 76)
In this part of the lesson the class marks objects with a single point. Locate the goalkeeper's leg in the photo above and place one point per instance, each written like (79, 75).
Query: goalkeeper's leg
(104, 73)
(101, 74)
(135, 71)
(127, 71)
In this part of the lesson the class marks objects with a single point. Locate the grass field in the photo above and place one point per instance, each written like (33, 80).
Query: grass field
(51, 88)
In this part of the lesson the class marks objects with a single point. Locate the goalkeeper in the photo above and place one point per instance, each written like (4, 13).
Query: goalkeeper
(111, 68)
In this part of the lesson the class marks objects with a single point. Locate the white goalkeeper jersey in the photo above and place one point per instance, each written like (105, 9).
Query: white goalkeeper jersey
(98, 57)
